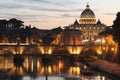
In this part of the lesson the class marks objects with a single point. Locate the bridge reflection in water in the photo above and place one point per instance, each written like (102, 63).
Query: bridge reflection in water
(37, 68)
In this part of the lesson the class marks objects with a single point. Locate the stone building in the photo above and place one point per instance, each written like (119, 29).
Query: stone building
(70, 37)
(88, 25)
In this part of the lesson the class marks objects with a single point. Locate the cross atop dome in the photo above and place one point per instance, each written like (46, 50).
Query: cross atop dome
(87, 6)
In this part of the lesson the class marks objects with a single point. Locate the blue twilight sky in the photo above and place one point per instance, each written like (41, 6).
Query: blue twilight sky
(48, 14)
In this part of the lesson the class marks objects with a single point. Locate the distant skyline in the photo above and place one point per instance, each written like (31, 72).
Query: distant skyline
(48, 14)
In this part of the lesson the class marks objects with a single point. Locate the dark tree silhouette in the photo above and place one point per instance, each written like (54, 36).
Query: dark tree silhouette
(3, 28)
(15, 24)
(116, 33)
(3, 24)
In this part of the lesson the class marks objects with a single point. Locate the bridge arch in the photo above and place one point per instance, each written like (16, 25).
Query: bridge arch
(91, 50)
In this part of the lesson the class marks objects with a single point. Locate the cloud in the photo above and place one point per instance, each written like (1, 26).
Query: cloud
(11, 6)
(68, 15)
(110, 13)
(53, 2)
(22, 16)
(50, 2)
(55, 10)
(28, 6)
(30, 16)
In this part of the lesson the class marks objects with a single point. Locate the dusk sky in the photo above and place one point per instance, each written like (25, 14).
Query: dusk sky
(48, 14)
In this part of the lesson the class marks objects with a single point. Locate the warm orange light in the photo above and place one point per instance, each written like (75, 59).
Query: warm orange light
(112, 49)
(103, 48)
(38, 64)
(49, 69)
(74, 70)
(74, 50)
(21, 50)
(99, 51)
(61, 65)
(46, 50)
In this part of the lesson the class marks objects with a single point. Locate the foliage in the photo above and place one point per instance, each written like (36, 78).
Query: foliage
(116, 29)
(116, 34)
(12, 29)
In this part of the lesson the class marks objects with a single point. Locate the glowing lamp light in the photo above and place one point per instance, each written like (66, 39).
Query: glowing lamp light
(61, 65)
(99, 52)
(112, 49)
(103, 41)
(103, 48)
(48, 51)
(74, 50)
(99, 40)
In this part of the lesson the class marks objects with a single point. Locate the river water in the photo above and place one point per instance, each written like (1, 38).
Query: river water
(38, 68)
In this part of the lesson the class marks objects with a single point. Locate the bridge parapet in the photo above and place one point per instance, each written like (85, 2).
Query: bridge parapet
(23, 48)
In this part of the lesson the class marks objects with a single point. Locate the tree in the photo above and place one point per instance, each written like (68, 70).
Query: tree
(3, 29)
(15, 24)
(3, 24)
(116, 33)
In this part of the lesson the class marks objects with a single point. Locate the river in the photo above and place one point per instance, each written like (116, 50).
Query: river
(38, 68)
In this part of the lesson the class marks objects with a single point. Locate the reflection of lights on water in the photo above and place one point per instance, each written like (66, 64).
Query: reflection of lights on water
(42, 70)
(74, 70)
(27, 63)
(38, 64)
(54, 68)
(32, 65)
(49, 69)
(6, 64)
(46, 70)
(21, 71)
(61, 65)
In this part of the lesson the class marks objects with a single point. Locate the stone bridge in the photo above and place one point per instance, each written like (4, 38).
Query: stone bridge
(24, 48)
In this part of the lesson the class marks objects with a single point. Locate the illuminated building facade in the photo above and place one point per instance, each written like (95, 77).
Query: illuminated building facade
(88, 25)
(70, 37)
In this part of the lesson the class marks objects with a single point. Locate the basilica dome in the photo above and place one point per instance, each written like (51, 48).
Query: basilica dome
(87, 16)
